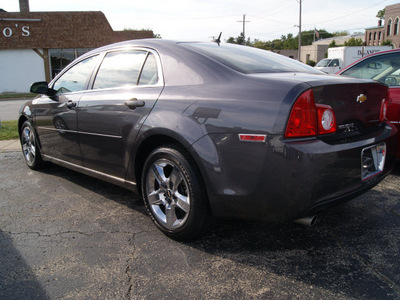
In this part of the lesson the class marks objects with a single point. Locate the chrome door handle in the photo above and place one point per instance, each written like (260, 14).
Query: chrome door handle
(133, 103)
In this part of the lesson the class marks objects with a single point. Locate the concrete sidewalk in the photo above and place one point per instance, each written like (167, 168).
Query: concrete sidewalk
(10, 145)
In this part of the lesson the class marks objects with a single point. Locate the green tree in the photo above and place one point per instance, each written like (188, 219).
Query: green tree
(332, 44)
(238, 40)
(231, 40)
(381, 14)
(354, 42)
(387, 43)
(341, 33)
(307, 37)
(260, 44)
(311, 63)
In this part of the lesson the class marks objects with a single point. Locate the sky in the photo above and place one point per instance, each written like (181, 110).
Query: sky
(201, 20)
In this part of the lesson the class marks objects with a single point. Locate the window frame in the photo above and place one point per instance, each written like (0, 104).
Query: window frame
(160, 81)
(72, 65)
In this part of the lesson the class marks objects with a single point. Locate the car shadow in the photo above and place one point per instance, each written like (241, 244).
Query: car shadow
(110, 191)
(396, 170)
(353, 249)
(17, 280)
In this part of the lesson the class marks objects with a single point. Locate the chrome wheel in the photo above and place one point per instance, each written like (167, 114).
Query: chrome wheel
(30, 148)
(28, 145)
(167, 194)
(174, 193)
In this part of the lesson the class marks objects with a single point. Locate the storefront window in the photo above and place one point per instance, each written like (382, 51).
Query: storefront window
(60, 58)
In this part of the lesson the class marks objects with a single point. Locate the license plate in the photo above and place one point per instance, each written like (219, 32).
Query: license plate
(372, 160)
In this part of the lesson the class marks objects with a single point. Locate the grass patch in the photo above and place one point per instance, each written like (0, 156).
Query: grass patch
(16, 95)
(9, 130)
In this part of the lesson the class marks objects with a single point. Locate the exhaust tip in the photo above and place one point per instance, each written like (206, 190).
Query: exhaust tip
(307, 221)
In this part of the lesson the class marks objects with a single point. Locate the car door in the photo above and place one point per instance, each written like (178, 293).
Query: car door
(335, 66)
(55, 116)
(124, 90)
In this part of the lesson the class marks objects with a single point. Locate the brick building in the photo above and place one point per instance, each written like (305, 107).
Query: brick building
(389, 30)
(35, 46)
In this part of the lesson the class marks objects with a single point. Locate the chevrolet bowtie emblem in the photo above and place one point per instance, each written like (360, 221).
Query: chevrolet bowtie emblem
(361, 98)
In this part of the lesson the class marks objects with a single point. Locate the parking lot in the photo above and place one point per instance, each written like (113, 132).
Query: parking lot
(65, 235)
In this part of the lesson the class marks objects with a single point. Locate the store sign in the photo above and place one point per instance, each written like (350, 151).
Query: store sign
(17, 30)
(9, 31)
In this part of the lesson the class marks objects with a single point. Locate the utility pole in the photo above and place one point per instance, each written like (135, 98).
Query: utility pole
(244, 28)
(300, 32)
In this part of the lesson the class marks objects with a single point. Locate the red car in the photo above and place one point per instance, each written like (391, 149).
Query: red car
(382, 66)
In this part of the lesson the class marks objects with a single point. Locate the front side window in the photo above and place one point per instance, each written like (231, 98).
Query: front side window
(76, 78)
(384, 68)
(120, 68)
(334, 63)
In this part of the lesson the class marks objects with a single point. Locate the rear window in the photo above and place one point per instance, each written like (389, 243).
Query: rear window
(249, 60)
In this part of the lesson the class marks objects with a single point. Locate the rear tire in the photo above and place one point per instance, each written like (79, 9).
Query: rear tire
(174, 193)
(30, 147)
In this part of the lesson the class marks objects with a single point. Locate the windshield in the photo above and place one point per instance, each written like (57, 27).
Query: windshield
(249, 60)
(384, 68)
(323, 63)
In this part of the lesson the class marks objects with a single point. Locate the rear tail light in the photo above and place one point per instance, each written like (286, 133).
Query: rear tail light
(326, 119)
(382, 115)
(309, 119)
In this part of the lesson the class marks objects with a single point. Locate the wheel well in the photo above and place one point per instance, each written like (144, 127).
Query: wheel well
(21, 121)
(146, 148)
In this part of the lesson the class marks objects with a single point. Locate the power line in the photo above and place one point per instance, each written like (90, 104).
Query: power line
(351, 14)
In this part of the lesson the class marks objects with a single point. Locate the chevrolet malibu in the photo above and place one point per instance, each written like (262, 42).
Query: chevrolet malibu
(207, 130)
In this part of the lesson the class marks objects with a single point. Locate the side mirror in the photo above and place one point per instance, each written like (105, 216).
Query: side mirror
(42, 87)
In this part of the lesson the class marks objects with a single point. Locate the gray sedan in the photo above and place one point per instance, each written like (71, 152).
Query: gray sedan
(204, 130)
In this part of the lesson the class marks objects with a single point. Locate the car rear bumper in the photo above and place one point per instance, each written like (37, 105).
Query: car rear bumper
(284, 180)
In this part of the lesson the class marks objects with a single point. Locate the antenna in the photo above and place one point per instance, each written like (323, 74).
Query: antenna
(218, 40)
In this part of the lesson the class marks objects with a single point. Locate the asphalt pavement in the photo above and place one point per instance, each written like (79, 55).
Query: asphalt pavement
(64, 235)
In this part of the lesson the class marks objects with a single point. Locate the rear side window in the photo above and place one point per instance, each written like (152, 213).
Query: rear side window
(149, 75)
(121, 68)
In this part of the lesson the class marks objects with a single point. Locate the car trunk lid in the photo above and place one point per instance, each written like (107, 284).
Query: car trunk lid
(357, 106)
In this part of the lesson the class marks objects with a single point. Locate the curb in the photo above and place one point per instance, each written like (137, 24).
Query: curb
(10, 146)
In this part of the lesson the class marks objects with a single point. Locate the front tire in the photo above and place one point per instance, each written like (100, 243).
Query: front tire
(30, 148)
(174, 193)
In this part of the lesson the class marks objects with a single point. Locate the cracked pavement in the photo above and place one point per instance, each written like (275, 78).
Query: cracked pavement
(64, 235)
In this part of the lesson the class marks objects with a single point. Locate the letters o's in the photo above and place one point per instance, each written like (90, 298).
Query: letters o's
(7, 32)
